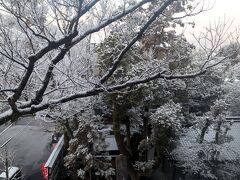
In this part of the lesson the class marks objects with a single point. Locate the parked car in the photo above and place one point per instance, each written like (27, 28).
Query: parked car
(14, 173)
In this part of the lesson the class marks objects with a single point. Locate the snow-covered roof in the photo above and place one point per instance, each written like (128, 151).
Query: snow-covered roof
(229, 150)
(111, 143)
(233, 147)
(111, 149)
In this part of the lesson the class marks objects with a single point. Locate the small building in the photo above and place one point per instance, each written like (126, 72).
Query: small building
(111, 149)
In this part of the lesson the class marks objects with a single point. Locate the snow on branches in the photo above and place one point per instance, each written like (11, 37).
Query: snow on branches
(168, 116)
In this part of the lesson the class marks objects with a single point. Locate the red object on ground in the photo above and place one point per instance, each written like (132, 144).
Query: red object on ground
(44, 171)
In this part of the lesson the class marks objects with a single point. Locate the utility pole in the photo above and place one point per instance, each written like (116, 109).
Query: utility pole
(6, 164)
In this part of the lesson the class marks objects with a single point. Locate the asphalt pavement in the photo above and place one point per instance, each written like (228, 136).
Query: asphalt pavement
(28, 146)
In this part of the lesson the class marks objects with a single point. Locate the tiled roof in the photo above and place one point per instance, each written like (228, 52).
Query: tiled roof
(228, 151)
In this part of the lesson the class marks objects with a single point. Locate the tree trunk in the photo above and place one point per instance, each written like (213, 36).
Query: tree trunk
(203, 132)
(145, 130)
(117, 133)
(132, 172)
(68, 129)
(217, 139)
(73, 175)
(119, 140)
(128, 134)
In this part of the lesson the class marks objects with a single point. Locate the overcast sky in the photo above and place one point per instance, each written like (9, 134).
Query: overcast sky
(230, 9)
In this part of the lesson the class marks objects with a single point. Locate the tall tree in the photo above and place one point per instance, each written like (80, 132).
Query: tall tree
(40, 48)
(160, 49)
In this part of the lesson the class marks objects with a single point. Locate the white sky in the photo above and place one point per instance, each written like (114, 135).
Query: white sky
(230, 9)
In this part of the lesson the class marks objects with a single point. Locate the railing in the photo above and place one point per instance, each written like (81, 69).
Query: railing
(54, 160)
(234, 118)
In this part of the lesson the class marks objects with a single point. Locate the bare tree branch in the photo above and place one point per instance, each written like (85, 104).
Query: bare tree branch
(7, 90)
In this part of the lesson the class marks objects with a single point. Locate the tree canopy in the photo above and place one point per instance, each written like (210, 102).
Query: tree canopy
(47, 50)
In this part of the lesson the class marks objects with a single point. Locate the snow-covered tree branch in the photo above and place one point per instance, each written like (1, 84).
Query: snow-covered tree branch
(41, 42)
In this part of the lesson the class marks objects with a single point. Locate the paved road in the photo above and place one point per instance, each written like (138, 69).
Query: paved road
(29, 145)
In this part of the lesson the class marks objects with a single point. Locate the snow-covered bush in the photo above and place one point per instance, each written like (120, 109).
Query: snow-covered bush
(168, 116)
